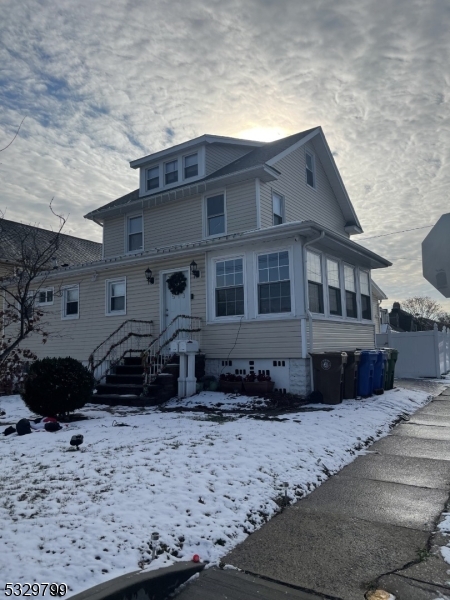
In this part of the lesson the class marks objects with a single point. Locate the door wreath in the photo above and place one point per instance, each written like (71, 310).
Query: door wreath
(177, 283)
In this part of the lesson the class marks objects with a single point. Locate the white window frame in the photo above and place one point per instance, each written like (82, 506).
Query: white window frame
(283, 209)
(323, 282)
(280, 315)
(356, 292)
(214, 281)
(313, 160)
(205, 213)
(168, 162)
(108, 285)
(65, 289)
(127, 234)
(46, 303)
(183, 158)
(327, 258)
(361, 295)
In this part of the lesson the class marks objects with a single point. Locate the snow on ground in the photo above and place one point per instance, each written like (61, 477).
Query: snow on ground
(204, 481)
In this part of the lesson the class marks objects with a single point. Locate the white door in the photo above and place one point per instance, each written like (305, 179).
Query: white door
(174, 305)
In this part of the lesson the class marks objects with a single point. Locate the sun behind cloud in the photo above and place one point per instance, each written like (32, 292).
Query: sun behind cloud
(263, 134)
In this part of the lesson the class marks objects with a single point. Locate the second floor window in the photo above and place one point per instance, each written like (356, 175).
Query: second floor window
(134, 234)
(229, 288)
(334, 287)
(310, 170)
(153, 178)
(274, 286)
(190, 166)
(364, 286)
(71, 303)
(45, 296)
(315, 282)
(278, 209)
(215, 215)
(171, 172)
(350, 292)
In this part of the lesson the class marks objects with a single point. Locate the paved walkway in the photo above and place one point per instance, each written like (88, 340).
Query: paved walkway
(369, 525)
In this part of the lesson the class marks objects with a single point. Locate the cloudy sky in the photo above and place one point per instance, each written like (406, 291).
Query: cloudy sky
(101, 83)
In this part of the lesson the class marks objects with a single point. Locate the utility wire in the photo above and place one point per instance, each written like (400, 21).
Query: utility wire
(395, 232)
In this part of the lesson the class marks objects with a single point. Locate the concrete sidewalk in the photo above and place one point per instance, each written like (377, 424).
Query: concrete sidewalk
(370, 525)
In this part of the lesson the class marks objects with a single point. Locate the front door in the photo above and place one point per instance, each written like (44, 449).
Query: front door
(175, 304)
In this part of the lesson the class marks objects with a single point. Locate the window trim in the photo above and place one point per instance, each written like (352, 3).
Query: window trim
(356, 292)
(108, 311)
(127, 234)
(177, 171)
(64, 290)
(280, 315)
(328, 286)
(205, 214)
(283, 209)
(313, 160)
(230, 318)
(369, 296)
(147, 169)
(47, 289)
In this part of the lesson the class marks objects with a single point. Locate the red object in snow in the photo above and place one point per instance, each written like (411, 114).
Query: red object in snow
(49, 420)
(196, 558)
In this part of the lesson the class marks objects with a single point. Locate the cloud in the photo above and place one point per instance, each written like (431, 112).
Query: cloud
(107, 82)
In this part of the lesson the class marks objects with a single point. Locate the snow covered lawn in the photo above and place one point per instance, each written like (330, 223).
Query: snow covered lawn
(204, 481)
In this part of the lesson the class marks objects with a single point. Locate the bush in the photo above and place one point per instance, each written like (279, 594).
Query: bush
(57, 386)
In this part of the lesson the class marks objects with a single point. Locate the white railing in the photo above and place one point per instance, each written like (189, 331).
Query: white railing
(156, 356)
(132, 336)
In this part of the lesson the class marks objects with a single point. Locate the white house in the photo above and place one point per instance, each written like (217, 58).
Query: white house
(258, 235)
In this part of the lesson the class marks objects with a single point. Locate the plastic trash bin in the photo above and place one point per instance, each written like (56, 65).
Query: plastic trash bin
(351, 374)
(390, 368)
(328, 368)
(378, 371)
(365, 372)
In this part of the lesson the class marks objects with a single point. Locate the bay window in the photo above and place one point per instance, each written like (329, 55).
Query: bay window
(315, 282)
(334, 287)
(350, 292)
(274, 286)
(364, 286)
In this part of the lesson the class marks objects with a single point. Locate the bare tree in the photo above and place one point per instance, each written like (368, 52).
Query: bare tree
(422, 307)
(27, 253)
(15, 135)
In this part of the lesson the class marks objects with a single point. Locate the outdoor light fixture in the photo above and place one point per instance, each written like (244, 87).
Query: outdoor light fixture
(148, 275)
(155, 538)
(195, 272)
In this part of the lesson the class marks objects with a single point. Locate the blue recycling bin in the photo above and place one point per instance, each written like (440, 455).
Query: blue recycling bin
(366, 371)
(379, 371)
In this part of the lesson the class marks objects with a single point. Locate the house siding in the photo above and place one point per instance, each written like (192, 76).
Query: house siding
(253, 340)
(173, 223)
(241, 207)
(114, 237)
(301, 201)
(219, 155)
(337, 335)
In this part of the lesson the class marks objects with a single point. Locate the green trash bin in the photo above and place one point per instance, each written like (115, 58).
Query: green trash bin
(390, 368)
(328, 369)
(351, 374)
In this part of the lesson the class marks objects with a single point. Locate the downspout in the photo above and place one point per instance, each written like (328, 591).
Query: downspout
(308, 312)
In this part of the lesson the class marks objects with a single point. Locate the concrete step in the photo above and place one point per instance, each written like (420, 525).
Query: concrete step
(132, 360)
(129, 370)
(134, 379)
(123, 388)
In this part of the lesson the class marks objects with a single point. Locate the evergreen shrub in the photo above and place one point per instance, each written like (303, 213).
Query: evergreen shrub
(57, 386)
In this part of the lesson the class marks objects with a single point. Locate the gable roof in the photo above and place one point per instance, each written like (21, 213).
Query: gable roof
(71, 251)
(263, 158)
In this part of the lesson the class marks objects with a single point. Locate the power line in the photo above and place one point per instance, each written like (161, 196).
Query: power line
(395, 232)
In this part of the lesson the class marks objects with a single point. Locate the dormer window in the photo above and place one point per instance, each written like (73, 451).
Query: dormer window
(191, 165)
(152, 178)
(171, 172)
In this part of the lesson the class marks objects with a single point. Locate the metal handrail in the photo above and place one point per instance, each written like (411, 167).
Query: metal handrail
(156, 356)
(117, 345)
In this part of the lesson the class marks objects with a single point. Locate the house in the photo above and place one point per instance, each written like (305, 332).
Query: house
(249, 241)
(16, 237)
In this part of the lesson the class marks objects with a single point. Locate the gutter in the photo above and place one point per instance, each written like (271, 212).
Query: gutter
(308, 312)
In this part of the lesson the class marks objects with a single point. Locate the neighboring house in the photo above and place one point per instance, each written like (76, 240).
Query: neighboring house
(260, 233)
(14, 237)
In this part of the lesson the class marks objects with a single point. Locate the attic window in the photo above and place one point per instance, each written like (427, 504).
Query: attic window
(310, 170)
(171, 172)
(191, 166)
(152, 178)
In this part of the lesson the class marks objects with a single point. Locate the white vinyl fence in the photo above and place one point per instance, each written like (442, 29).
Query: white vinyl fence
(420, 353)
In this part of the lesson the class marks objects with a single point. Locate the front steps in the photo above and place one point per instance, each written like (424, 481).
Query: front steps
(125, 386)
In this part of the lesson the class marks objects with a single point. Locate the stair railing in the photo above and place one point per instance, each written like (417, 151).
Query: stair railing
(157, 355)
(131, 336)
